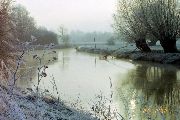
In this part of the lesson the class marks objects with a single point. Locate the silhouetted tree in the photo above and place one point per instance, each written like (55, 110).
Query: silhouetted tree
(45, 36)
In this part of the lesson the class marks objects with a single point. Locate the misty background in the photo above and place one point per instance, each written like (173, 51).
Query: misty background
(83, 20)
(83, 15)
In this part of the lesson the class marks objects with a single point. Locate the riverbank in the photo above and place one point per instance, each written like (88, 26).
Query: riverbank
(155, 56)
(21, 105)
(42, 47)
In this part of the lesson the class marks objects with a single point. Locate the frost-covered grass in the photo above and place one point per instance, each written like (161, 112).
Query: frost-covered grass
(131, 52)
(21, 105)
(28, 104)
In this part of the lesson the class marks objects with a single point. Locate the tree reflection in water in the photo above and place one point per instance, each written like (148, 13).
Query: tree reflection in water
(157, 91)
(29, 70)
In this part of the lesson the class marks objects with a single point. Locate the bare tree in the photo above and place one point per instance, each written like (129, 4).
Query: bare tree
(158, 18)
(24, 23)
(63, 35)
(6, 37)
(162, 20)
(127, 24)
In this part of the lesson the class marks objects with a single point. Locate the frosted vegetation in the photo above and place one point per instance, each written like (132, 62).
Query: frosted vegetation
(139, 23)
(18, 36)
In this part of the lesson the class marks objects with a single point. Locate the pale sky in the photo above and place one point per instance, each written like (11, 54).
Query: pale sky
(84, 15)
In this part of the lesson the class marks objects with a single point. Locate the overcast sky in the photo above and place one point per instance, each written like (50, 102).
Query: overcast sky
(84, 15)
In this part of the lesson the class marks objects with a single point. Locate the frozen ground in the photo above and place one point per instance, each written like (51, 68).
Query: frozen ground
(131, 52)
(24, 106)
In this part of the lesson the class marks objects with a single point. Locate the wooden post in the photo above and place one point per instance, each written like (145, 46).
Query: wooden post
(95, 42)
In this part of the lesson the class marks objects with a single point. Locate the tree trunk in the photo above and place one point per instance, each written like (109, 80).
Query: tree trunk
(142, 45)
(169, 46)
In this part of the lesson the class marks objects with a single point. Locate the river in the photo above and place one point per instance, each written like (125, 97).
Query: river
(136, 90)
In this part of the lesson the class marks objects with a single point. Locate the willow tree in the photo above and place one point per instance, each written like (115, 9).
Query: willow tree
(128, 25)
(161, 19)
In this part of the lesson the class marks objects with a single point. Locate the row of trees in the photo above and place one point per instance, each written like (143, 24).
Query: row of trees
(17, 26)
(25, 27)
(81, 37)
(142, 20)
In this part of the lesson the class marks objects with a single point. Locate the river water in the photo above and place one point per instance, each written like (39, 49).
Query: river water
(136, 90)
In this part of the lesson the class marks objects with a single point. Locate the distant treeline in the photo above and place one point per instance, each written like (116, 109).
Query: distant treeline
(81, 37)
(18, 28)
(25, 27)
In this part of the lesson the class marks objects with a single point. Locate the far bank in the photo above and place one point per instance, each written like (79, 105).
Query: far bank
(133, 54)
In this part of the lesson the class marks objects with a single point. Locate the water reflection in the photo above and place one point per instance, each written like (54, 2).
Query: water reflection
(76, 73)
(145, 89)
(157, 89)
(27, 74)
(64, 59)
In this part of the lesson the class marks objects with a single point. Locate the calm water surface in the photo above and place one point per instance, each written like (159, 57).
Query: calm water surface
(140, 90)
